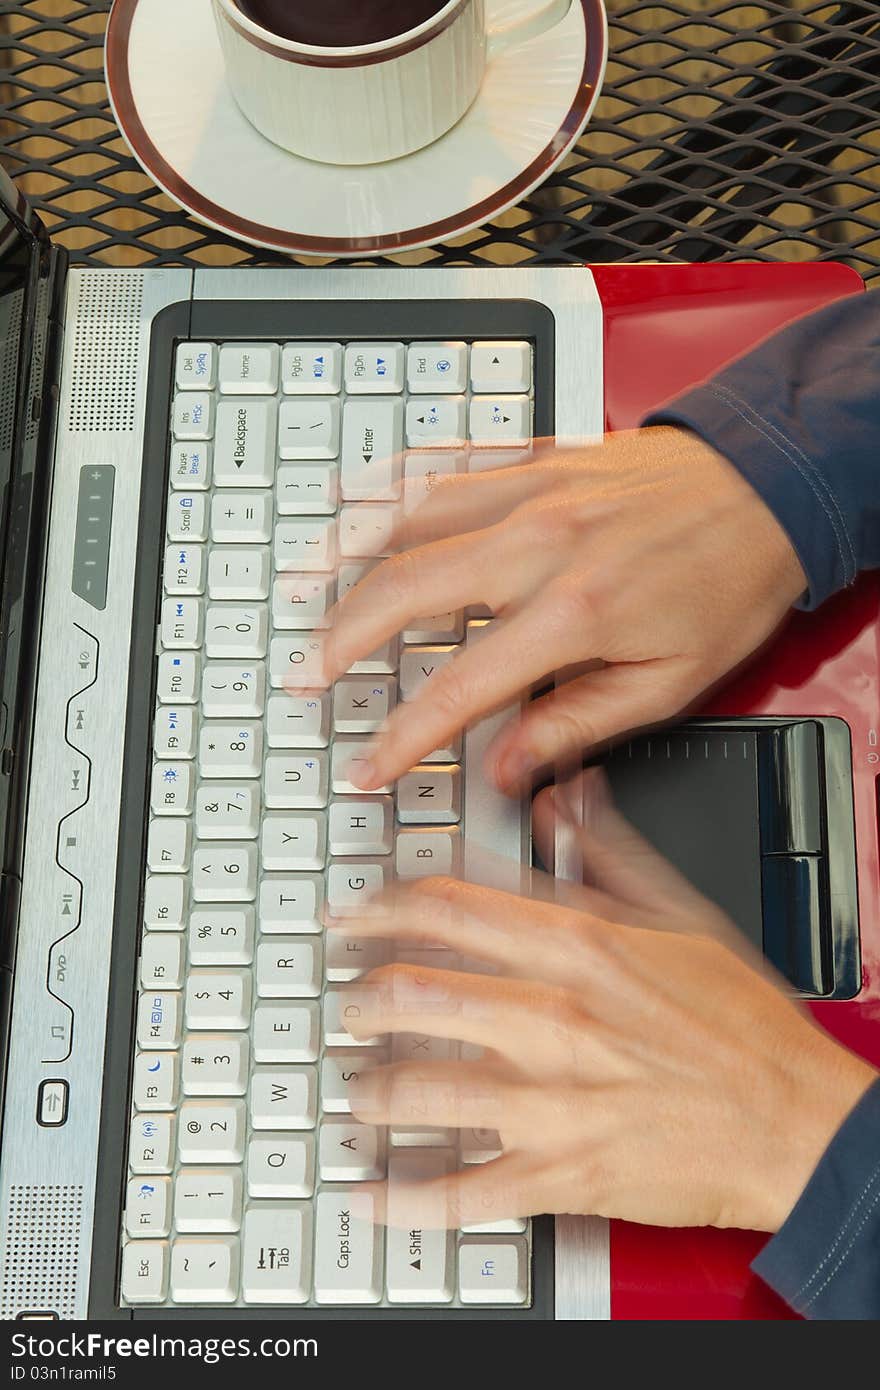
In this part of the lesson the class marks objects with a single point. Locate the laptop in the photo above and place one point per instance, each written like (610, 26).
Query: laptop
(176, 1134)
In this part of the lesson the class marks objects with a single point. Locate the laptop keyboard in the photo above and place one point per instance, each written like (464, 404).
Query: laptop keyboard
(245, 1164)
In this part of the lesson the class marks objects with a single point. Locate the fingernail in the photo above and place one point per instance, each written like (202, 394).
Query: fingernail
(361, 772)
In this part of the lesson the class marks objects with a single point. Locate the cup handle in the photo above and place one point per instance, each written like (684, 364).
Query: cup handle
(543, 17)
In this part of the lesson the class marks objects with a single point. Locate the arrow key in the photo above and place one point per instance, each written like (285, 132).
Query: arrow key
(440, 420)
(501, 420)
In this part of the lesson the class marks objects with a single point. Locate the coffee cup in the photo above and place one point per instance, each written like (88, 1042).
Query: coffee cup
(374, 86)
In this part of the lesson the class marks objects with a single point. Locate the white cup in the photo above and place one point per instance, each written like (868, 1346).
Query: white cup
(366, 104)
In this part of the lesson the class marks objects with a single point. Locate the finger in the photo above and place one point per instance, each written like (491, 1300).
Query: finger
(487, 924)
(507, 1187)
(513, 654)
(584, 714)
(451, 504)
(445, 1095)
(488, 1011)
(437, 578)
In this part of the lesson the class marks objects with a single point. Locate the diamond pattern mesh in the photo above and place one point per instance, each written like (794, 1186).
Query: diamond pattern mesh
(744, 131)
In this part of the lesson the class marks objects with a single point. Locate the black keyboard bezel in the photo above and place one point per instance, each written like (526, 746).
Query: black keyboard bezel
(252, 321)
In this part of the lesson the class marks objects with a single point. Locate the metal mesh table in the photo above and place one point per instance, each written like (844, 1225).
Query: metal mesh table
(746, 131)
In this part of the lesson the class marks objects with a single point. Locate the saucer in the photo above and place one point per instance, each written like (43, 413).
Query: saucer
(170, 97)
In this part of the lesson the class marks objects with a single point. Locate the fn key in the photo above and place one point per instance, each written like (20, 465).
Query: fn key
(91, 545)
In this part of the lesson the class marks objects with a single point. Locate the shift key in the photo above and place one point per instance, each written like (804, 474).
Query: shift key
(420, 1262)
(348, 1248)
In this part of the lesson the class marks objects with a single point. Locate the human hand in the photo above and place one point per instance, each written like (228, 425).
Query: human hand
(648, 554)
(633, 1066)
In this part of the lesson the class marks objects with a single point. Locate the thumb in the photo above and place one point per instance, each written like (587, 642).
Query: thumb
(584, 714)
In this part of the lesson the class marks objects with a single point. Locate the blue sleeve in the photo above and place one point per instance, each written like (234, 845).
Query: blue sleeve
(800, 418)
(825, 1261)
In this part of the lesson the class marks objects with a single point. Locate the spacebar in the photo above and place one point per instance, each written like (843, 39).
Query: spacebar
(495, 830)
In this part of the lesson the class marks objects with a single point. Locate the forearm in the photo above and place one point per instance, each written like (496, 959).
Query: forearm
(800, 418)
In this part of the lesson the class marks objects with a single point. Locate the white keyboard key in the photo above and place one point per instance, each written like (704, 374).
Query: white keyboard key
(227, 811)
(156, 1081)
(241, 517)
(421, 1047)
(218, 999)
(420, 1263)
(187, 518)
(286, 1033)
(306, 545)
(237, 572)
(230, 749)
(174, 732)
(340, 1070)
(501, 366)
(348, 1248)
(344, 757)
(294, 841)
(361, 704)
(349, 957)
(365, 529)
(375, 368)
(148, 1207)
(233, 631)
(165, 903)
(215, 1064)
(306, 489)
(171, 789)
(381, 662)
(205, 1271)
(145, 1272)
(436, 367)
(249, 369)
(212, 1131)
(441, 422)
(151, 1143)
(298, 721)
(372, 440)
(309, 428)
(208, 1200)
(284, 1099)
(422, 470)
(195, 366)
(244, 444)
(493, 1271)
(184, 569)
(296, 661)
(192, 416)
(500, 420)
(162, 960)
(190, 466)
(425, 853)
(302, 600)
(294, 903)
(221, 936)
(178, 678)
(234, 691)
(182, 623)
(168, 845)
(296, 781)
(429, 796)
(276, 1253)
(350, 1152)
(289, 968)
(480, 1145)
(311, 369)
(352, 573)
(419, 664)
(444, 627)
(361, 825)
(281, 1165)
(225, 873)
(510, 1226)
(340, 1008)
(351, 886)
(159, 1019)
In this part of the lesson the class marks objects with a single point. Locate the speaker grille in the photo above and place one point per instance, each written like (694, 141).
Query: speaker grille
(106, 350)
(10, 325)
(42, 1250)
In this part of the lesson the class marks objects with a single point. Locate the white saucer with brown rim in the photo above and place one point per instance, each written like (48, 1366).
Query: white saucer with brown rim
(170, 97)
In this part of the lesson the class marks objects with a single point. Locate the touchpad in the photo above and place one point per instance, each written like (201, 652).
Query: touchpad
(757, 813)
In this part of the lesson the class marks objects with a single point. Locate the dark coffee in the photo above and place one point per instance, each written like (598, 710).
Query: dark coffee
(339, 23)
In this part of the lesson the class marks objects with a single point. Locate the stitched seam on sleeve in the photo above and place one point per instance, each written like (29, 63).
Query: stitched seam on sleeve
(809, 472)
(841, 1234)
(845, 1254)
